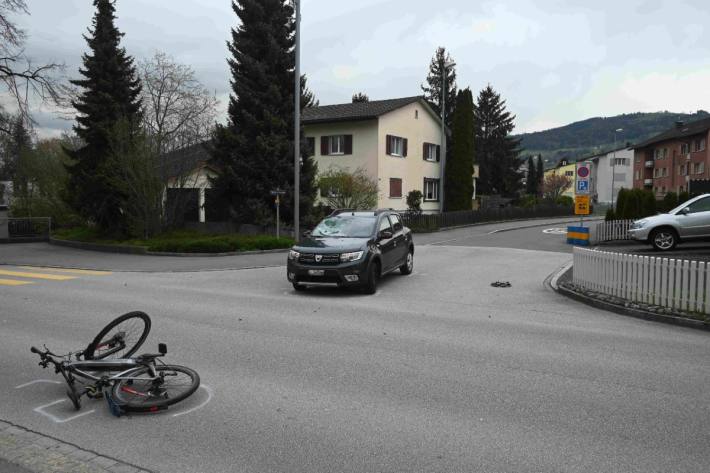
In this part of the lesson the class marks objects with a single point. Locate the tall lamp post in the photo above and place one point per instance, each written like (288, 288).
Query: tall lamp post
(613, 167)
(444, 69)
(297, 125)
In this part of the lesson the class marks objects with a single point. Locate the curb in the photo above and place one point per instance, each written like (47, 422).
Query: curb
(39, 453)
(492, 222)
(552, 282)
(142, 250)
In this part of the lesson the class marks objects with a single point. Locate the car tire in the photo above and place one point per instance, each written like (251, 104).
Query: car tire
(299, 287)
(663, 239)
(408, 265)
(373, 275)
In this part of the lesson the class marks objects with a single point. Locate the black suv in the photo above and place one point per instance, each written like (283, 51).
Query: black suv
(352, 248)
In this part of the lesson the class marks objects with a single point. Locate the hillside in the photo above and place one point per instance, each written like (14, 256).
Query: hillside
(596, 135)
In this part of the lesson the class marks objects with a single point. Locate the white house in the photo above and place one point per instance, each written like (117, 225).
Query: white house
(396, 141)
(611, 168)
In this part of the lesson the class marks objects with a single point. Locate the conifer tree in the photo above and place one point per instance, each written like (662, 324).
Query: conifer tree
(539, 174)
(360, 97)
(459, 168)
(254, 150)
(110, 95)
(433, 87)
(496, 150)
(531, 182)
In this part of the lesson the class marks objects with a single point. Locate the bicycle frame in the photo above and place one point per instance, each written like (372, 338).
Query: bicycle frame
(124, 365)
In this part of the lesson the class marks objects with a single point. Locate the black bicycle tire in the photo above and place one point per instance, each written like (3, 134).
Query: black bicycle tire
(89, 352)
(162, 403)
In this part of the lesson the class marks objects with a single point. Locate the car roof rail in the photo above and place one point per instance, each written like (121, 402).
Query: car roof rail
(339, 211)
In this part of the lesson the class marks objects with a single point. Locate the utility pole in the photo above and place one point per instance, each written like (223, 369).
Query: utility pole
(297, 127)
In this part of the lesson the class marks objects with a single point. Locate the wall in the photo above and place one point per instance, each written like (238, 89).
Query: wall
(603, 175)
(412, 169)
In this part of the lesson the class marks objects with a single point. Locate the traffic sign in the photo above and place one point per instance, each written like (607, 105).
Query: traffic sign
(582, 176)
(581, 205)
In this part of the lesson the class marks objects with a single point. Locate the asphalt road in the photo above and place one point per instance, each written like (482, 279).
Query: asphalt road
(438, 371)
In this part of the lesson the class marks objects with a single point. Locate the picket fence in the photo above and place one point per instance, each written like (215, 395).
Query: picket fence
(674, 283)
(612, 230)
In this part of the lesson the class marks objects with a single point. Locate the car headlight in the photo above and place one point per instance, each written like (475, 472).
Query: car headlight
(638, 224)
(347, 257)
(293, 254)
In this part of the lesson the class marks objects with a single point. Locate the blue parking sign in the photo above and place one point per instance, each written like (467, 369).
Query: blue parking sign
(582, 186)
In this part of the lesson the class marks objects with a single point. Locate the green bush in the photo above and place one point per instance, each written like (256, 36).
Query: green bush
(414, 201)
(565, 200)
(610, 215)
(527, 201)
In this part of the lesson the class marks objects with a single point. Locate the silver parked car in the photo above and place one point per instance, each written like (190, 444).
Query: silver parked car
(688, 221)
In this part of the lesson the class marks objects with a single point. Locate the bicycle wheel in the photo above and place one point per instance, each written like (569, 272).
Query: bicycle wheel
(174, 383)
(121, 338)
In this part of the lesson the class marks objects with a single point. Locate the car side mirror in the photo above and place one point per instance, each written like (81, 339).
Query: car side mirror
(684, 211)
(385, 234)
(306, 234)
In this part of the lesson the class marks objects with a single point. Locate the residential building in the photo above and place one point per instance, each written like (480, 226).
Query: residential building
(615, 168)
(670, 160)
(565, 168)
(396, 142)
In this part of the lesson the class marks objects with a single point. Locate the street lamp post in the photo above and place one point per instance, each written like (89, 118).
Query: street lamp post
(297, 125)
(613, 167)
(446, 65)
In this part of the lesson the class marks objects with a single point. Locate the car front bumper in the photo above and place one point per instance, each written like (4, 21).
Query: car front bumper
(640, 234)
(343, 274)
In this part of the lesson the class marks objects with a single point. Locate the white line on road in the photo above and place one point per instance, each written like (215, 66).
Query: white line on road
(209, 398)
(40, 410)
(38, 381)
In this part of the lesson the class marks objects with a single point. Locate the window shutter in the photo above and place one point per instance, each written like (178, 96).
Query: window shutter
(324, 146)
(348, 144)
(424, 151)
(404, 147)
(388, 144)
(438, 153)
(395, 187)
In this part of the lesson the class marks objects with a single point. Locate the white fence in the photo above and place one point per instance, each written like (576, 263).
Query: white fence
(674, 283)
(612, 230)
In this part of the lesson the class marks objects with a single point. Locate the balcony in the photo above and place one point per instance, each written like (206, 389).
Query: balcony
(648, 182)
(649, 164)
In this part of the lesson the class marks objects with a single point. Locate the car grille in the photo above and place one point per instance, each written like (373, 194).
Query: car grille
(310, 258)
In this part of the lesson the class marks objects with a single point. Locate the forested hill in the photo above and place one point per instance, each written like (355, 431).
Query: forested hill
(596, 135)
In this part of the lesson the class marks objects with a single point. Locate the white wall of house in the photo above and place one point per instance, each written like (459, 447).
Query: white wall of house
(198, 179)
(602, 174)
(364, 152)
(419, 126)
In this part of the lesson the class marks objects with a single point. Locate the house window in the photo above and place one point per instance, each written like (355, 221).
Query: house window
(336, 145)
(396, 146)
(621, 162)
(698, 168)
(395, 188)
(430, 152)
(684, 148)
(311, 146)
(569, 173)
(699, 145)
(431, 189)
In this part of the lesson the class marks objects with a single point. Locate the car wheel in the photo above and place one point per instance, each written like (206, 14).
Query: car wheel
(299, 287)
(664, 239)
(408, 265)
(372, 278)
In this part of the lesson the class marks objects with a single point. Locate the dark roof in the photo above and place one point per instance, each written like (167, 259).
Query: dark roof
(687, 129)
(355, 111)
(184, 160)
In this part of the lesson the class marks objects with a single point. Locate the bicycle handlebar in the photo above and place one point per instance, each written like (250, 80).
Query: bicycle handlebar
(35, 350)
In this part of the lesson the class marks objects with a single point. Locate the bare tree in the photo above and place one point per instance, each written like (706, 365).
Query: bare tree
(178, 110)
(21, 77)
(348, 190)
(554, 185)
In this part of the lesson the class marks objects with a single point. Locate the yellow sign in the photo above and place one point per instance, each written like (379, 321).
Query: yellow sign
(581, 205)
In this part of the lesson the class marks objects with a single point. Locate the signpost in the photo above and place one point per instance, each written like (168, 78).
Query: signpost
(277, 193)
(580, 235)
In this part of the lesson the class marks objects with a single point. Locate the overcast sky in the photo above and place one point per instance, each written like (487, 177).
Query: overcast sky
(554, 61)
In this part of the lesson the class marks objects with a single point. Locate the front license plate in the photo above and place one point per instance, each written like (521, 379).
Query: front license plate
(316, 272)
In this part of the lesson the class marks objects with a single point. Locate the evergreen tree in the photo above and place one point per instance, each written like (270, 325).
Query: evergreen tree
(459, 168)
(496, 150)
(111, 94)
(531, 181)
(16, 144)
(360, 97)
(308, 98)
(255, 149)
(539, 174)
(432, 89)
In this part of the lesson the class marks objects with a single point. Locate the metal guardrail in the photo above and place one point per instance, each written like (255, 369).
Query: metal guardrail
(29, 228)
(467, 217)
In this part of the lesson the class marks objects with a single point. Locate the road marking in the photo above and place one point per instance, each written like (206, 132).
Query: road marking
(21, 274)
(555, 231)
(209, 398)
(51, 381)
(58, 420)
(13, 282)
(90, 272)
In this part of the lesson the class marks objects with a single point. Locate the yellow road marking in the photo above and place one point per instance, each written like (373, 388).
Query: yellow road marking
(20, 274)
(68, 270)
(13, 282)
